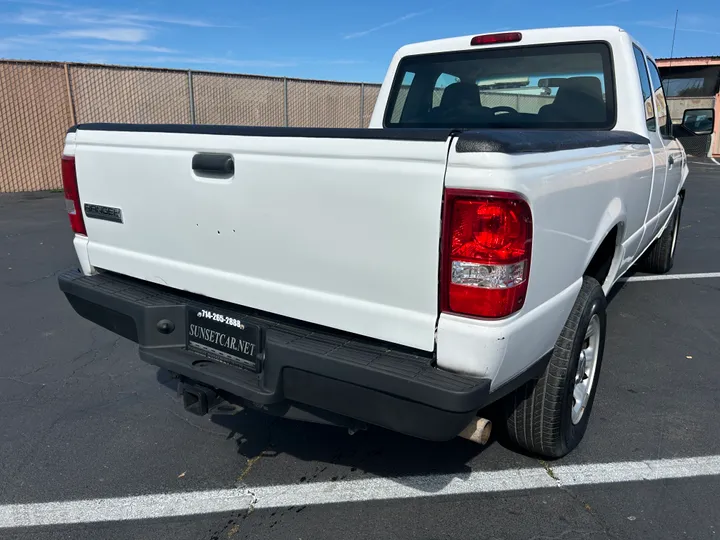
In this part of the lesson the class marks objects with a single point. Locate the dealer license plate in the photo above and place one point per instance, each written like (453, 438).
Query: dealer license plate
(224, 337)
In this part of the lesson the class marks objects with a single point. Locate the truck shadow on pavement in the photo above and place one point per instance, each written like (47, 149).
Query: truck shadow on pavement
(330, 453)
(377, 451)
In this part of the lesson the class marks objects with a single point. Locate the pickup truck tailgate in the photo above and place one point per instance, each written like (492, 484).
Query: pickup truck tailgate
(341, 231)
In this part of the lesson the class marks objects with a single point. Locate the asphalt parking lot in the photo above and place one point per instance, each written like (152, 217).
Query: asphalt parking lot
(83, 419)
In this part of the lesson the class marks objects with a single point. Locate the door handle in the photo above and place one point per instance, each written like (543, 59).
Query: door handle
(207, 163)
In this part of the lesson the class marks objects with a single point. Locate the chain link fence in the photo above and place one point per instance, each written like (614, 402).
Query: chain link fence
(122, 95)
(35, 112)
(237, 100)
(39, 101)
(370, 93)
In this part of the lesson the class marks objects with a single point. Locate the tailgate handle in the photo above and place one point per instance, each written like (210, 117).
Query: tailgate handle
(213, 164)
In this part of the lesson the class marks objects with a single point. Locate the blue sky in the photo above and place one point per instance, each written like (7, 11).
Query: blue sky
(320, 39)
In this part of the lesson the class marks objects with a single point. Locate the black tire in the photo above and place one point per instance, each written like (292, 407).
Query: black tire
(538, 414)
(659, 258)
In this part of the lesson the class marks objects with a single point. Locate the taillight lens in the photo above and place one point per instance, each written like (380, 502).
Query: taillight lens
(487, 242)
(72, 195)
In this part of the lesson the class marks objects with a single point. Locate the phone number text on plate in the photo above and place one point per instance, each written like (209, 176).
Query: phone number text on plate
(219, 317)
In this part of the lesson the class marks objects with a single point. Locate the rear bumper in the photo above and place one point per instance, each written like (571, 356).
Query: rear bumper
(366, 380)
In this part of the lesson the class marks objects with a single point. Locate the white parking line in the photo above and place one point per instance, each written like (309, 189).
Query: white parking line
(715, 161)
(373, 489)
(707, 163)
(667, 277)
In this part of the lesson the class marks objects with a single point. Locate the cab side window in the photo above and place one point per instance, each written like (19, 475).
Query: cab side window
(660, 102)
(646, 89)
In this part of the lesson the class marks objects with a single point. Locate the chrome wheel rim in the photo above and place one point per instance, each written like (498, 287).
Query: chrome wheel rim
(586, 369)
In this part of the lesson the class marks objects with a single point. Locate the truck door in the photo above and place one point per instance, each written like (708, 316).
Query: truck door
(660, 156)
(672, 147)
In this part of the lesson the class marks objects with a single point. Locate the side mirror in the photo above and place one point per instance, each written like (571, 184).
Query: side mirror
(699, 121)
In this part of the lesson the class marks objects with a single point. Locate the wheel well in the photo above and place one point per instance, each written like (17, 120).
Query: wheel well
(599, 266)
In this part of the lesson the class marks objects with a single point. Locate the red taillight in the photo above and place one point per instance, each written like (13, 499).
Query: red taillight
(486, 246)
(490, 39)
(72, 195)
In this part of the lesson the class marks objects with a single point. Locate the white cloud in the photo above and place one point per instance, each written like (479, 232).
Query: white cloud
(103, 28)
(125, 47)
(611, 3)
(220, 61)
(28, 18)
(340, 62)
(387, 24)
(33, 2)
(688, 23)
(697, 30)
(20, 42)
(64, 41)
(125, 35)
(199, 23)
(73, 17)
(88, 34)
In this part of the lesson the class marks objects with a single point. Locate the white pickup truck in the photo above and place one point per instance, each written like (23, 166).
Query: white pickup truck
(455, 254)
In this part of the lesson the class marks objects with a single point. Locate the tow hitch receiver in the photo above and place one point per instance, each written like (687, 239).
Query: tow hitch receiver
(197, 399)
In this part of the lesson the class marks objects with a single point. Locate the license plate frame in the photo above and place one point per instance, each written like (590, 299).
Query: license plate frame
(224, 337)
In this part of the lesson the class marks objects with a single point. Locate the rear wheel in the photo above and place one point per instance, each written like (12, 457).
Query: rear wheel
(660, 257)
(548, 416)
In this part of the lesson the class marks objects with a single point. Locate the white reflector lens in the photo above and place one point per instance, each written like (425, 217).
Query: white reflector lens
(488, 276)
(70, 207)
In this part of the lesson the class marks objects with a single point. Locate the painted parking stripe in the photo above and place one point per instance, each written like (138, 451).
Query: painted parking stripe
(373, 489)
(708, 163)
(667, 277)
(703, 163)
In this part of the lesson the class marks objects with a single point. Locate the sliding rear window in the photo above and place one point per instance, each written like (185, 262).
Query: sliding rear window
(565, 86)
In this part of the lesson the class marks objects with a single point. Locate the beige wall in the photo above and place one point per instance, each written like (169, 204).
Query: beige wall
(39, 101)
(678, 105)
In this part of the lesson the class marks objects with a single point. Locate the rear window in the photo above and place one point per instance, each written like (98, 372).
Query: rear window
(568, 86)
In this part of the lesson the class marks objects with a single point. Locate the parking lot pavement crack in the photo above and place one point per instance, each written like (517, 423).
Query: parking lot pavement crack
(47, 365)
(20, 381)
(188, 422)
(90, 350)
(248, 468)
(83, 366)
(550, 472)
(253, 501)
(569, 533)
(234, 524)
(36, 280)
(96, 355)
(586, 506)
